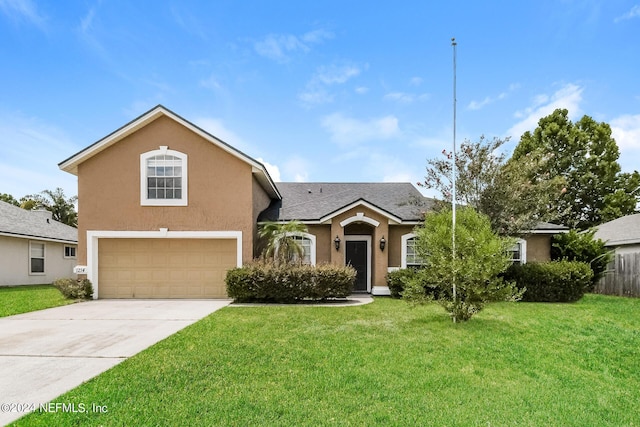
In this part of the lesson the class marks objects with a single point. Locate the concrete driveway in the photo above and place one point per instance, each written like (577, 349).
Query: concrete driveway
(46, 353)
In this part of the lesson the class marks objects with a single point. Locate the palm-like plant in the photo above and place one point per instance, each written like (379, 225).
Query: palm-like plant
(279, 241)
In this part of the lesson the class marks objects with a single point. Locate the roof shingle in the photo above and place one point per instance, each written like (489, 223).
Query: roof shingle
(34, 224)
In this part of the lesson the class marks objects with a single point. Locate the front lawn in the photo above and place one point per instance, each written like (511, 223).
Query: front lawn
(26, 298)
(525, 364)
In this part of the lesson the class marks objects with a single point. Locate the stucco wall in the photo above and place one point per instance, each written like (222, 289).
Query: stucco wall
(220, 188)
(324, 242)
(261, 201)
(15, 260)
(395, 243)
(538, 247)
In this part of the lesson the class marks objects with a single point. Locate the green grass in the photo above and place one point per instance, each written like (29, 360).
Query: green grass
(26, 298)
(385, 363)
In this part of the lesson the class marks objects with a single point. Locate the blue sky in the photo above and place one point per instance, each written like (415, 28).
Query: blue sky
(319, 91)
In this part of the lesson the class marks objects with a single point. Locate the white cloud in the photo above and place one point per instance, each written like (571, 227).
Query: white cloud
(569, 97)
(477, 105)
(297, 169)
(633, 13)
(626, 131)
(361, 90)
(279, 47)
(316, 91)
(26, 10)
(274, 171)
(346, 130)
(211, 82)
(415, 81)
(404, 97)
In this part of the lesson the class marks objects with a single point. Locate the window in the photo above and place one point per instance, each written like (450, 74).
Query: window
(36, 258)
(308, 243)
(163, 178)
(69, 251)
(410, 258)
(518, 252)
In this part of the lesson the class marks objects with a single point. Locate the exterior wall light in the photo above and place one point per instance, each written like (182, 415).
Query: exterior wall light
(383, 243)
(336, 243)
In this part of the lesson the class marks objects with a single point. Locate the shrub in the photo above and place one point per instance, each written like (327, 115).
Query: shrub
(398, 279)
(74, 289)
(269, 282)
(481, 255)
(556, 281)
(574, 246)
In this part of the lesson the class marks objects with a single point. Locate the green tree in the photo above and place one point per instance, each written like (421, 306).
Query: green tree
(500, 189)
(279, 242)
(481, 255)
(574, 246)
(61, 208)
(586, 156)
(8, 198)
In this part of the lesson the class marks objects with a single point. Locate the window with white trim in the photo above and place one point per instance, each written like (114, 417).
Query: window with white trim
(308, 243)
(36, 257)
(163, 178)
(410, 257)
(518, 252)
(69, 251)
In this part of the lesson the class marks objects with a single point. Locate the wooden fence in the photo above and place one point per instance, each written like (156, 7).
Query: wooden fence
(623, 278)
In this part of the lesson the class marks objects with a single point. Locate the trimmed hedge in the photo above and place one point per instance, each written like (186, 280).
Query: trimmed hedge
(556, 281)
(74, 289)
(288, 283)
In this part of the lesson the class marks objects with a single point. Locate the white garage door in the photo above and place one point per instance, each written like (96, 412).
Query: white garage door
(164, 268)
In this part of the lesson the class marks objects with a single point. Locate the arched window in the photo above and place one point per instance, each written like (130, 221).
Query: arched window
(308, 243)
(410, 258)
(163, 178)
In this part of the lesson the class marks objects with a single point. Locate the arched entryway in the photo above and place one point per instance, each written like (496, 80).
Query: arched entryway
(358, 236)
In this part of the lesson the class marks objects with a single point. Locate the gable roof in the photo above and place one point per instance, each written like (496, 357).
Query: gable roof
(621, 231)
(549, 228)
(260, 172)
(317, 202)
(21, 223)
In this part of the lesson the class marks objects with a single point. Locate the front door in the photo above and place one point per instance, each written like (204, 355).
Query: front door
(356, 254)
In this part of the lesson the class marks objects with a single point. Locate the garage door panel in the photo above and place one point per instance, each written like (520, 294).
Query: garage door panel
(164, 268)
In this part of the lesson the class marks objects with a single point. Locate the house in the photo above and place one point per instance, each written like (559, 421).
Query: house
(621, 235)
(165, 209)
(34, 249)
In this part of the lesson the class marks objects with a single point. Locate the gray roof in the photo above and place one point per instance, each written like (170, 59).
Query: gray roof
(621, 231)
(311, 201)
(18, 222)
(548, 227)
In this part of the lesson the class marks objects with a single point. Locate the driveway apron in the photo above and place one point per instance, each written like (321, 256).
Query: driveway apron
(46, 353)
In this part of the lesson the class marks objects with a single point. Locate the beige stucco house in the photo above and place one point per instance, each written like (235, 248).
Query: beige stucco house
(165, 209)
(34, 249)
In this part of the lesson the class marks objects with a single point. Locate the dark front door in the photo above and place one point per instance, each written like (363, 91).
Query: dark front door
(356, 257)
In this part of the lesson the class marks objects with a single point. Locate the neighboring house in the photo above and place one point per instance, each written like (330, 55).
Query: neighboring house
(622, 235)
(34, 249)
(167, 208)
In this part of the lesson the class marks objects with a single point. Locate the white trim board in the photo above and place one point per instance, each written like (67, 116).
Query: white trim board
(93, 237)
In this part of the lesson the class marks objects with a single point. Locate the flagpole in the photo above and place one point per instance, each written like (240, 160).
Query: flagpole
(453, 179)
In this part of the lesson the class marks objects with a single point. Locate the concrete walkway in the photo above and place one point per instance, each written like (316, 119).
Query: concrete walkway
(46, 353)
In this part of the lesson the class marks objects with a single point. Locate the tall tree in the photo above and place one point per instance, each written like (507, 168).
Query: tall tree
(586, 156)
(8, 198)
(500, 189)
(61, 208)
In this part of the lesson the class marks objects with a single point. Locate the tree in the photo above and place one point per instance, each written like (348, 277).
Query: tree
(61, 208)
(574, 246)
(585, 155)
(8, 198)
(280, 243)
(481, 255)
(500, 189)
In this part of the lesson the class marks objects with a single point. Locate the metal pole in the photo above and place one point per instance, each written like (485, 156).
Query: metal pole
(453, 179)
